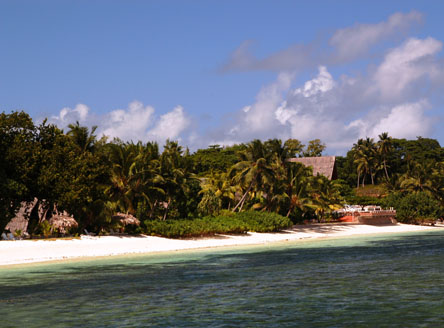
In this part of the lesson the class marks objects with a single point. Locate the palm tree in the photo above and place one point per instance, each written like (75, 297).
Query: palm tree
(297, 187)
(253, 171)
(437, 182)
(364, 153)
(357, 155)
(220, 185)
(371, 152)
(82, 137)
(134, 175)
(175, 170)
(384, 148)
(418, 177)
(326, 196)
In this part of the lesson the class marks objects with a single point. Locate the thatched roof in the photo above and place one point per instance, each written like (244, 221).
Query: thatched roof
(63, 222)
(126, 219)
(324, 165)
(21, 219)
(17, 223)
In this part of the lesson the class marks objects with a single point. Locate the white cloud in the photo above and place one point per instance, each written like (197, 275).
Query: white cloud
(353, 41)
(322, 83)
(69, 115)
(406, 64)
(337, 111)
(404, 121)
(137, 122)
(345, 45)
(128, 124)
(170, 125)
(392, 95)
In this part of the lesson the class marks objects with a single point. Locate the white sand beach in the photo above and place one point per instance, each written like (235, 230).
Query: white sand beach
(29, 251)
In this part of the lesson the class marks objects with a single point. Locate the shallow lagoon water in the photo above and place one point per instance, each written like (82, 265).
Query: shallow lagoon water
(365, 281)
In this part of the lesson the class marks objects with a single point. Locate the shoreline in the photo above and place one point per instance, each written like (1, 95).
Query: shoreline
(34, 251)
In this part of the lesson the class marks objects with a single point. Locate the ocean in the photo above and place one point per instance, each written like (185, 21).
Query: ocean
(392, 280)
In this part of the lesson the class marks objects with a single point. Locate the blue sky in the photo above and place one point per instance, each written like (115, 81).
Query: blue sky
(206, 72)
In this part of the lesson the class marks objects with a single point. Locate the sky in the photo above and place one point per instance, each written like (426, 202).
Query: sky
(225, 72)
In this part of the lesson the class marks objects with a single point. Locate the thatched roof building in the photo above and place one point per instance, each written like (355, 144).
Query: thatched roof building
(325, 165)
(63, 222)
(21, 219)
(126, 219)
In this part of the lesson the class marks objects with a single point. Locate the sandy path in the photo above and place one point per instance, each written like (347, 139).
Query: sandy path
(27, 251)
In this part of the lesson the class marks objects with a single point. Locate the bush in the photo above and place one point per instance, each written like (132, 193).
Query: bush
(414, 207)
(264, 221)
(221, 224)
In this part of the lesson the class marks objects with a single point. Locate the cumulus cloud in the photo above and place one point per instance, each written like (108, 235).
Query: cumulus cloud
(393, 94)
(404, 121)
(170, 125)
(258, 119)
(341, 110)
(356, 40)
(137, 122)
(128, 124)
(69, 115)
(407, 64)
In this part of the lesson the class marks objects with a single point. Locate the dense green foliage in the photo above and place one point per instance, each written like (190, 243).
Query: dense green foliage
(414, 207)
(173, 190)
(221, 224)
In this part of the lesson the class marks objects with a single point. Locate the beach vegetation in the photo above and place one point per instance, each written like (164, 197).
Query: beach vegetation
(232, 223)
(232, 189)
(414, 207)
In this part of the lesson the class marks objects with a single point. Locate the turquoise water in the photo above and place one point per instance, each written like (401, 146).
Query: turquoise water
(374, 281)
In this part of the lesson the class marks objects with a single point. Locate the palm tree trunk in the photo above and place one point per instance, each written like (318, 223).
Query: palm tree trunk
(166, 210)
(241, 202)
(357, 183)
(242, 205)
(152, 209)
(385, 169)
(371, 176)
(289, 211)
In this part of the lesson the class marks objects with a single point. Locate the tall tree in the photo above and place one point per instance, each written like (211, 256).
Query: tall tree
(19, 170)
(384, 148)
(294, 148)
(82, 137)
(314, 148)
(297, 177)
(253, 171)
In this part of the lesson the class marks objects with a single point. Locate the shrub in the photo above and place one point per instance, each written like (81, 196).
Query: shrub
(264, 221)
(221, 224)
(414, 207)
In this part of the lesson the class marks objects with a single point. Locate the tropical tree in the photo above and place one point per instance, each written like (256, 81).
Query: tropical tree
(314, 148)
(326, 196)
(294, 148)
(297, 183)
(253, 171)
(177, 177)
(418, 177)
(384, 148)
(134, 175)
(365, 159)
(220, 185)
(82, 137)
(19, 170)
